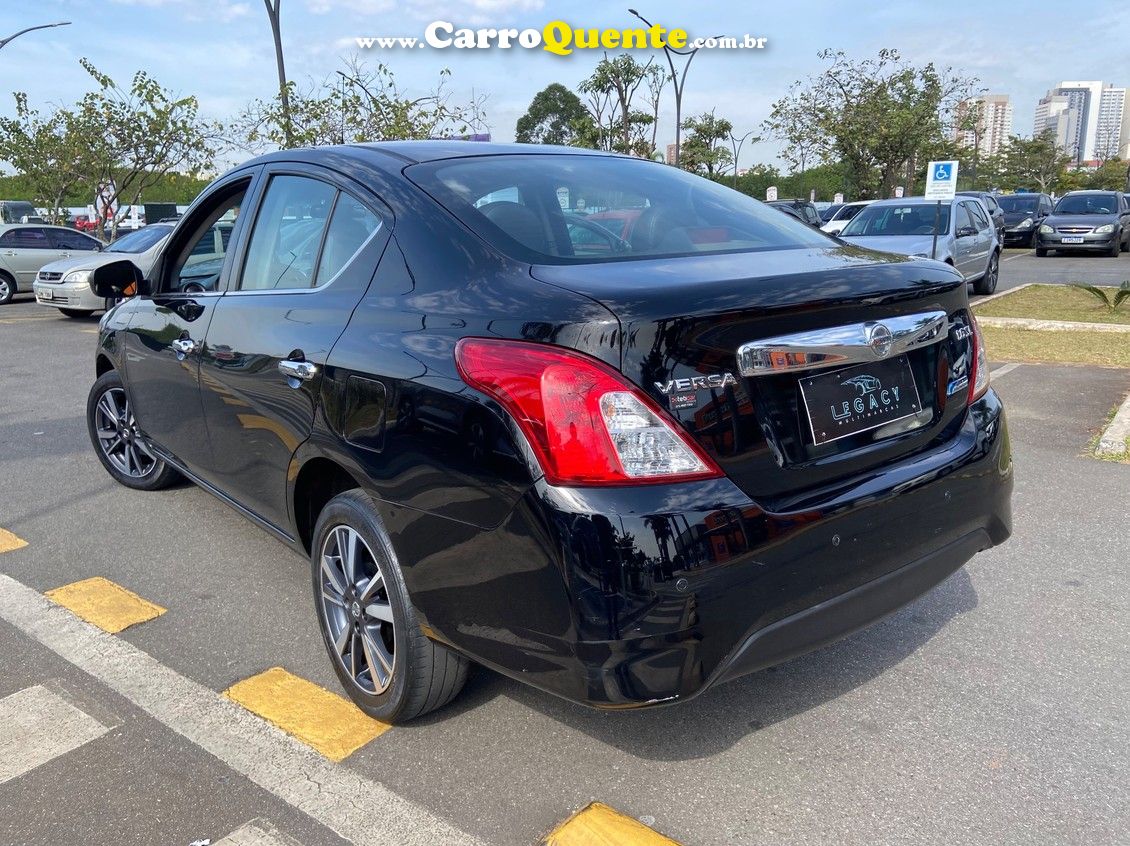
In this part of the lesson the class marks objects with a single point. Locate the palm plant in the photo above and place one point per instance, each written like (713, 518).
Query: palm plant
(1111, 303)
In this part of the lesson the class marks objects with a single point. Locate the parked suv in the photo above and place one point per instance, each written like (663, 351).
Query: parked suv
(1023, 214)
(1094, 221)
(621, 471)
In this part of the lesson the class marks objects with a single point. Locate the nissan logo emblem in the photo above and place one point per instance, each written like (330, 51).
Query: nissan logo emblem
(879, 338)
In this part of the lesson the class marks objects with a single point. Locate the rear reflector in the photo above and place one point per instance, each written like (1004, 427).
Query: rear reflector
(586, 424)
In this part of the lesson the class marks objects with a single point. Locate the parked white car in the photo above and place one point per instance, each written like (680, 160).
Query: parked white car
(65, 284)
(843, 214)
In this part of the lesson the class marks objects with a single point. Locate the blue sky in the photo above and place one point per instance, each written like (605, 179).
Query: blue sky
(220, 50)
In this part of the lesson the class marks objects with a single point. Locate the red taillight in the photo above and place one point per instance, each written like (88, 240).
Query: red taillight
(979, 373)
(585, 423)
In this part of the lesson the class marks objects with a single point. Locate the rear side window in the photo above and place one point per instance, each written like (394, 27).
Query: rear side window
(351, 225)
(558, 209)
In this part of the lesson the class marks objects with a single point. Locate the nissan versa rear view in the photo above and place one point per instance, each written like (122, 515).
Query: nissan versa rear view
(621, 466)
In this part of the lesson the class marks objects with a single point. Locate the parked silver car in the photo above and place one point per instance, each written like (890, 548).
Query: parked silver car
(967, 238)
(25, 248)
(65, 284)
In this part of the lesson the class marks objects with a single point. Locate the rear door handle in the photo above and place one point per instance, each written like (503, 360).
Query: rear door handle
(303, 371)
(184, 346)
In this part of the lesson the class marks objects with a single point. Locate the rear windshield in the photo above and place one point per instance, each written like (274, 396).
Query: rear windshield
(1019, 202)
(900, 219)
(561, 209)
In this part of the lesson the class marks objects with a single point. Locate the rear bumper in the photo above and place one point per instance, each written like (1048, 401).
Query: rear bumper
(622, 598)
(849, 612)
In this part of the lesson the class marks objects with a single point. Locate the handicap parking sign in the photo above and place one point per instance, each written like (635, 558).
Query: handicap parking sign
(941, 180)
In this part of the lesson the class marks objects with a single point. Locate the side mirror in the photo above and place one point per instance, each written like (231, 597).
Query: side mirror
(118, 279)
(965, 231)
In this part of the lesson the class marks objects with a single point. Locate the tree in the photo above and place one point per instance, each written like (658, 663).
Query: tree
(1111, 176)
(51, 153)
(356, 105)
(703, 151)
(142, 133)
(614, 83)
(1033, 162)
(556, 116)
(285, 124)
(877, 116)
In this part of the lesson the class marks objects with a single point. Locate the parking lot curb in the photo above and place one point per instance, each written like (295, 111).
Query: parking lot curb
(1112, 442)
(992, 297)
(1052, 325)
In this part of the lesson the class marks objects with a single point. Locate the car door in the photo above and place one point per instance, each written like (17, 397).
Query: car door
(965, 239)
(307, 261)
(981, 244)
(165, 336)
(24, 250)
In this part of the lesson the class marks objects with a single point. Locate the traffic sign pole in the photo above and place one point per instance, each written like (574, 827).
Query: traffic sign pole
(937, 220)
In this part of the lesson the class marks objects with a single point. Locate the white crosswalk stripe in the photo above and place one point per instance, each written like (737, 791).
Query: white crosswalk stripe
(39, 726)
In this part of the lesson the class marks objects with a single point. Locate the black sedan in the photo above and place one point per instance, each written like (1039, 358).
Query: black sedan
(619, 469)
(1092, 221)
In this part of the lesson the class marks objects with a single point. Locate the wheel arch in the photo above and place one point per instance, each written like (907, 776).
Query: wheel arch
(319, 480)
(102, 364)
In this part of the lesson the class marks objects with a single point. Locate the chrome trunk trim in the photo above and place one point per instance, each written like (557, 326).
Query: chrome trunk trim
(855, 343)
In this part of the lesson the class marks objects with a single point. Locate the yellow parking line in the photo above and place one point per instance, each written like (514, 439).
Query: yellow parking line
(105, 604)
(600, 825)
(325, 721)
(8, 541)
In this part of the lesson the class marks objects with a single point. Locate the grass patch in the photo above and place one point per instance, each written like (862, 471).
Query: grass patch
(1054, 302)
(1100, 348)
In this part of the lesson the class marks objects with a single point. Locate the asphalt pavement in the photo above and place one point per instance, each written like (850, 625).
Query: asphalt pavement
(992, 710)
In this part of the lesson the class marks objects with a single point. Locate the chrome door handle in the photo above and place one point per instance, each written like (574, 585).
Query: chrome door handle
(184, 346)
(304, 371)
(10, 252)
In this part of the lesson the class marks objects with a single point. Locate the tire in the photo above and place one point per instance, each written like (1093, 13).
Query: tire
(76, 312)
(7, 288)
(1041, 252)
(1032, 239)
(119, 446)
(386, 664)
(1115, 248)
(988, 282)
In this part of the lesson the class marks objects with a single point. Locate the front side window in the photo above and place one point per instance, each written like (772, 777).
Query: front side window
(65, 239)
(287, 235)
(980, 219)
(536, 208)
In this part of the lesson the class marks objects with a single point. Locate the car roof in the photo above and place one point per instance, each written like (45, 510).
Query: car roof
(1090, 191)
(894, 201)
(414, 152)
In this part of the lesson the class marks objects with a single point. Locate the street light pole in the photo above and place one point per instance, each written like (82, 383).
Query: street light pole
(737, 143)
(677, 81)
(4, 41)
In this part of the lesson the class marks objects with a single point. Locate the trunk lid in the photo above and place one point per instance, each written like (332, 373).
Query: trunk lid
(683, 320)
